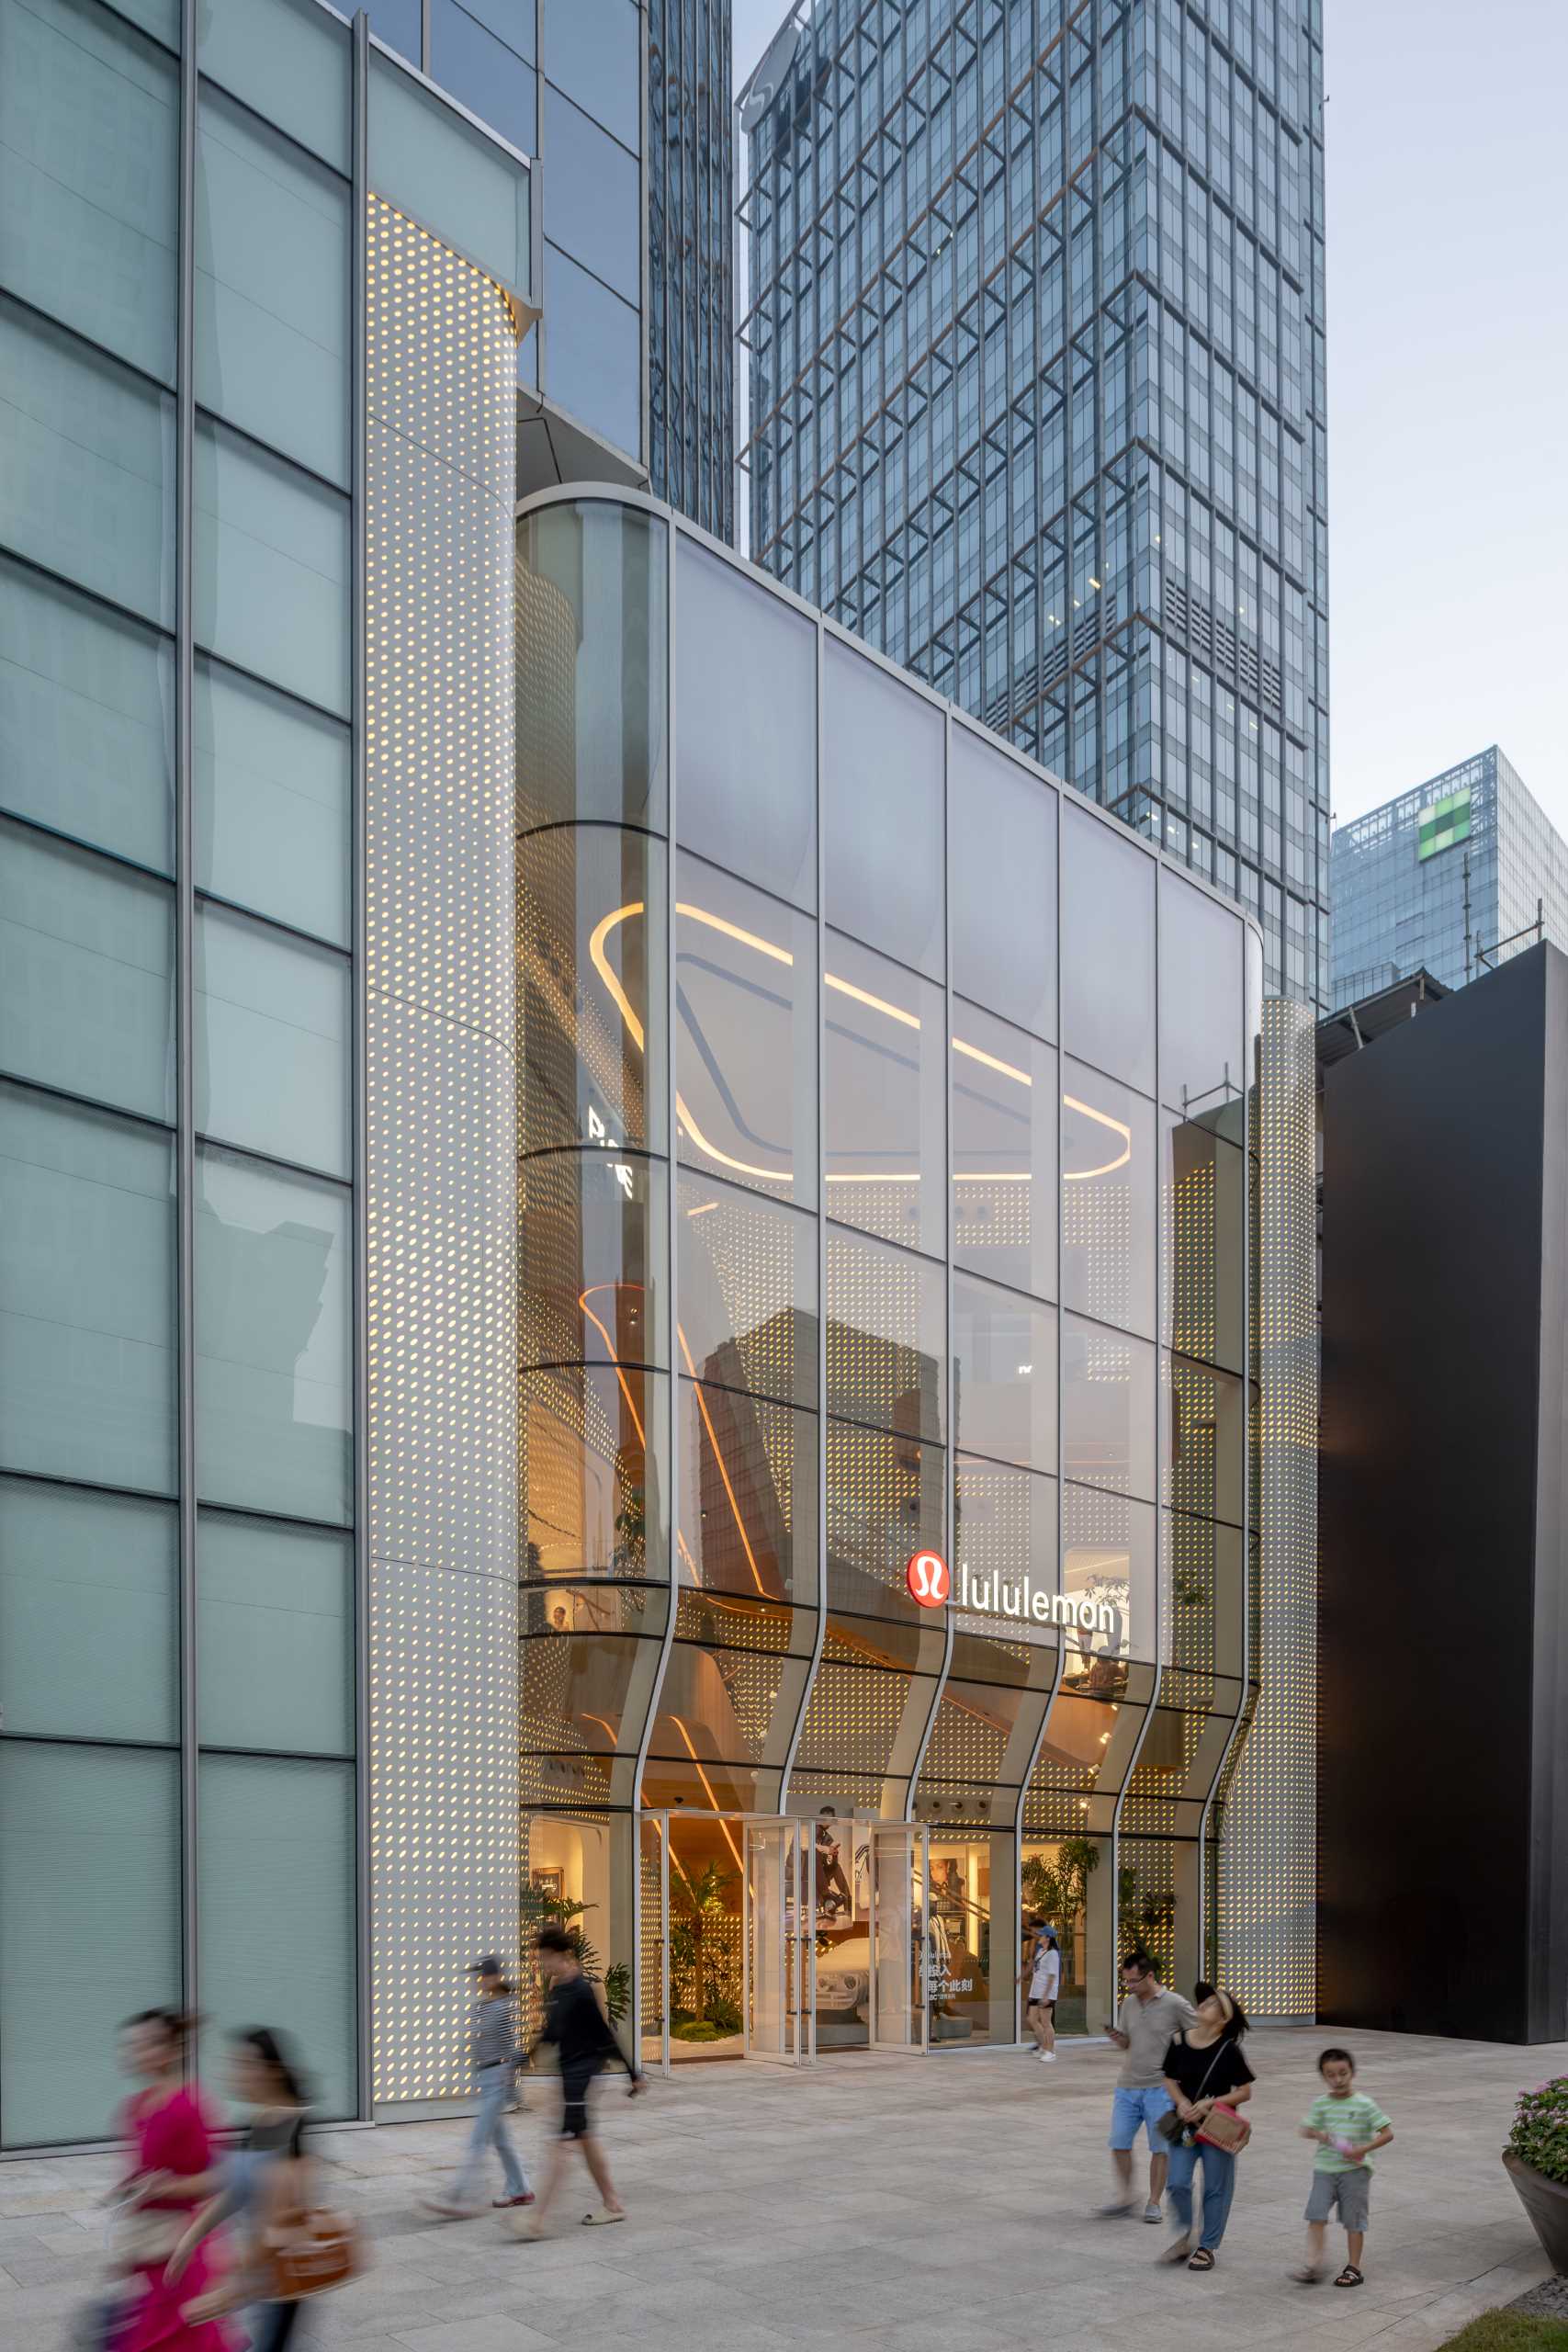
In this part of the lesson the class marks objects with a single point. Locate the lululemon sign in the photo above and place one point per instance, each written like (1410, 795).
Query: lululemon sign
(928, 1579)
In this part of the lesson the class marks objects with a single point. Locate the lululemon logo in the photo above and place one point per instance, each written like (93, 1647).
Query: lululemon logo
(928, 1578)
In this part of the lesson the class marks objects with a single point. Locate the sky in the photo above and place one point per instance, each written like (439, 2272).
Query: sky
(1447, 160)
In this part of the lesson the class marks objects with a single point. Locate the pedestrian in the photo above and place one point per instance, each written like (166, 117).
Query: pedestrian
(1207, 2080)
(1045, 1984)
(173, 2169)
(494, 2056)
(267, 2183)
(1148, 2017)
(1347, 2126)
(577, 2029)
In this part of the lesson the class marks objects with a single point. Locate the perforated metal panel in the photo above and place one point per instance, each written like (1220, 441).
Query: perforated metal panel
(441, 1158)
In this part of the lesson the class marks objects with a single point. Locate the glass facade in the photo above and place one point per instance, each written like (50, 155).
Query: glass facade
(691, 229)
(859, 1223)
(182, 1326)
(1033, 375)
(1450, 878)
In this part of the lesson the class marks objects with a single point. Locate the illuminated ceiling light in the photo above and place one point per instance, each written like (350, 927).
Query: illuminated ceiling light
(1004, 1070)
(1102, 1119)
(1093, 581)
(877, 1003)
(704, 1208)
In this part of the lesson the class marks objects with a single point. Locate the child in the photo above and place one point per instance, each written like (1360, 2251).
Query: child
(1347, 2126)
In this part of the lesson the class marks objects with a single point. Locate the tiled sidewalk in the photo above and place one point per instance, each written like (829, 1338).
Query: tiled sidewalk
(880, 2201)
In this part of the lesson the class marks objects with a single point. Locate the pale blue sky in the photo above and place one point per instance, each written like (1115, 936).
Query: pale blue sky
(1447, 134)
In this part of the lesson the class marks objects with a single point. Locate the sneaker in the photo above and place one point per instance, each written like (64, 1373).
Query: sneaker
(1049, 2056)
(1153, 2213)
(497, 2203)
(444, 2210)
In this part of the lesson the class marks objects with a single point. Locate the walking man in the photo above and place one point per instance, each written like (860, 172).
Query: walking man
(1148, 2017)
(494, 2057)
(580, 2032)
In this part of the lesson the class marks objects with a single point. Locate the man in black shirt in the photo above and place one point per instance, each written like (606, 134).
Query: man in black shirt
(580, 2032)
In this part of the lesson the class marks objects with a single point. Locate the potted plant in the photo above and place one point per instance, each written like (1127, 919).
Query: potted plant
(1535, 2160)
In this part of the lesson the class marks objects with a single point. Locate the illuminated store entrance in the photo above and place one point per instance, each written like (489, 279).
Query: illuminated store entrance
(775, 1937)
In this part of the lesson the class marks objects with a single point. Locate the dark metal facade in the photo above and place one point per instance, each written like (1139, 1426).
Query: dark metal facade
(1034, 379)
(691, 305)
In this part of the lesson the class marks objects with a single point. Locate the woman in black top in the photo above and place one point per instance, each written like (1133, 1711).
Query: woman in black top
(1203, 2068)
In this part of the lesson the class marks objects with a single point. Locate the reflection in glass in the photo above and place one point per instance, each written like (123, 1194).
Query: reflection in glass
(593, 1441)
(746, 1024)
(293, 65)
(1200, 1067)
(592, 646)
(1207, 1602)
(884, 1085)
(593, 359)
(87, 974)
(747, 1497)
(1108, 1200)
(1107, 1409)
(882, 791)
(594, 213)
(749, 756)
(86, 1294)
(591, 1242)
(274, 1404)
(588, 1665)
(1108, 1556)
(1004, 1525)
(1003, 860)
(89, 1613)
(275, 1608)
(1205, 1230)
(1107, 949)
(884, 1501)
(1004, 1152)
(592, 976)
(1203, 1440)
(886, 1344)
(271, 784)
(436, 168)
(272, 1026)
(1004, 1374)
(748, 1290)
(723, 1705)
(271, 580)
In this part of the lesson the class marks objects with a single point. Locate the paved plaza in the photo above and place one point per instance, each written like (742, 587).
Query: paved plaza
(883, 2201)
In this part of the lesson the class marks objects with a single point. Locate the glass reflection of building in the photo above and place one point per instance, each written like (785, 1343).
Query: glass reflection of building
(804, 1293)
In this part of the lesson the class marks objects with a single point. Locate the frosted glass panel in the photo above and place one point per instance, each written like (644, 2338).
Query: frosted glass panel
(86, 1294)
(89, 175)
(89, 1613)
(86, 963)
(89, 1927)
(272, 1018)
(273, 1401)
(288, 59)
(274, 1645)
(432, 164)
(86, 467)
(277, 1846)
(272, 284)
(86, 720)
(272, 555)
(272, 803)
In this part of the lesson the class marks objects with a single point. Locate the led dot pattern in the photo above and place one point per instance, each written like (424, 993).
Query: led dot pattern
(441, 1159)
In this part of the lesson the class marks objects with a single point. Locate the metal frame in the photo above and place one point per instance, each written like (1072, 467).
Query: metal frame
(359, 328)
(184, 1020)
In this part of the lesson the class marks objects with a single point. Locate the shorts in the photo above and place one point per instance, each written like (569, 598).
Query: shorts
(1038, 2001)
(574, 2122)
(1130, 2108)
(1351, 2191)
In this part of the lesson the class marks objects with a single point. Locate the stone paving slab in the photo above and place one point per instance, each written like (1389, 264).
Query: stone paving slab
(886, 2204)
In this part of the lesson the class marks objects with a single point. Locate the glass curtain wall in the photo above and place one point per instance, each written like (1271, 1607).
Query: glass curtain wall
(178, 1617)
(984, 1299)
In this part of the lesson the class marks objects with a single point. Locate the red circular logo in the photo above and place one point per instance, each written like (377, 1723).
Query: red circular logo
(929, 1580)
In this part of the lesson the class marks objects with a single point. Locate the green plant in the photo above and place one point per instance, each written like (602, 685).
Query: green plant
(1538, 2136)
(539, 1908)
(692, 1930)
(1509, 2331)
(1059, 1889)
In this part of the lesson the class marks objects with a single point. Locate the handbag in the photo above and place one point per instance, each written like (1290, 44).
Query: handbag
(1224, 2128)
(1172, 2127)
(320, 2250)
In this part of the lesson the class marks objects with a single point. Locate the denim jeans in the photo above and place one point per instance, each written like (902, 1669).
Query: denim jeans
(490, 2129)
(1219, 2188)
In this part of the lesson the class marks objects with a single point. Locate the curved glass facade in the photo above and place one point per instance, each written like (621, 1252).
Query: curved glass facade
(883, 1190)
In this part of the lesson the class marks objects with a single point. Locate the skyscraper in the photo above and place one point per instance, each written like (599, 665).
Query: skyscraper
(1451, 877)
(626, 103)
(1033, 360)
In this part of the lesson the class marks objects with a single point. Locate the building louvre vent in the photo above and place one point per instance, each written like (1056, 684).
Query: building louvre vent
(1230, 653)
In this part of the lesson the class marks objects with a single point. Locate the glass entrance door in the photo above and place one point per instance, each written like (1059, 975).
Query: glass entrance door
(902, 1960)
(778, 1942)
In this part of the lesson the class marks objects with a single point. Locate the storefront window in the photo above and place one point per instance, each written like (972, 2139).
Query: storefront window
(884, 1080)
(1004, 1152)
(746, 1031)
(595, 1439)
(1108, 1200)
(592, 981)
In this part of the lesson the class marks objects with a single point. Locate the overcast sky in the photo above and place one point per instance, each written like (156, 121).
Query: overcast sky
(1447, 381)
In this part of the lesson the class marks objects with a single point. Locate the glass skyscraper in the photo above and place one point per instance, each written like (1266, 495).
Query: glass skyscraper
(1447, 877)
(1033, 367)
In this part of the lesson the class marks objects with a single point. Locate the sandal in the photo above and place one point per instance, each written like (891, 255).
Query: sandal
(1349, 2276)
(1202, 2260)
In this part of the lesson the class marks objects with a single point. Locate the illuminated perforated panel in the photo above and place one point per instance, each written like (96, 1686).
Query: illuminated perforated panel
(1269, 1838)
(441, 1185)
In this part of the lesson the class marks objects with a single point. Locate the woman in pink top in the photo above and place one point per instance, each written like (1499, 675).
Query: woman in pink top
(172, 2168)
